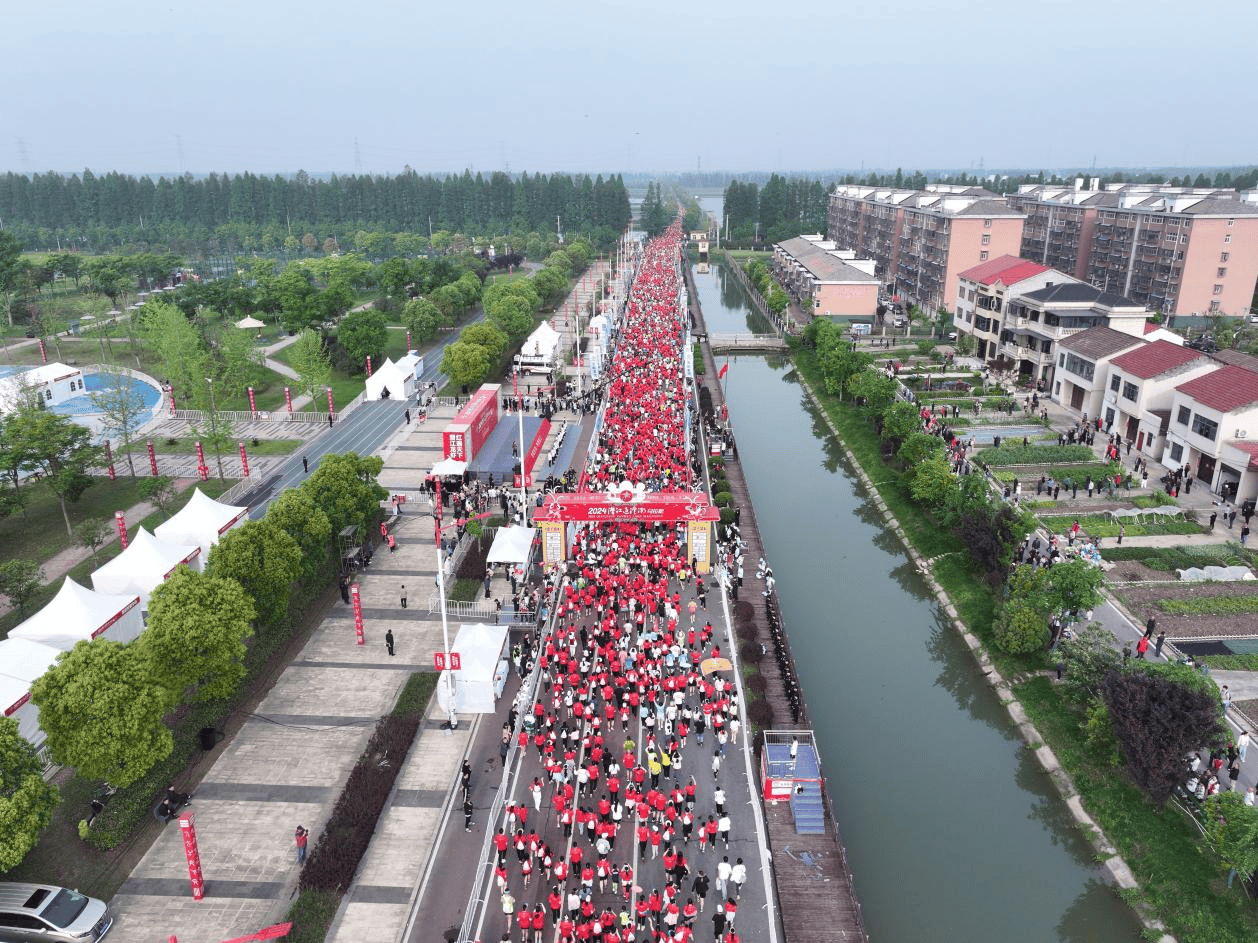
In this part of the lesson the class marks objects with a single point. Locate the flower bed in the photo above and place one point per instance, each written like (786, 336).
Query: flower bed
(1097, 526)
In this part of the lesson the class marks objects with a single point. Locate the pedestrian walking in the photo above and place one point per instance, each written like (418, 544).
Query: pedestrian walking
(388, 641)
(468, 809)
(300, 838)
(408, 417)
(1242, 744)
(305, 465)
(1142, 647)
(738, 877)
(403, 595)
(1244, 534)
(1214, 515)
(1122, 532)
(1157, 648)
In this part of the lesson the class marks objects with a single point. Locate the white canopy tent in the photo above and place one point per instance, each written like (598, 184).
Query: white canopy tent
(449, 466)
(401, 379)
(143, 566)
(538, 350)
(246, 323)
(78, 614)
(22, 663)
(201, 522)
(482, 651)
(511, 545)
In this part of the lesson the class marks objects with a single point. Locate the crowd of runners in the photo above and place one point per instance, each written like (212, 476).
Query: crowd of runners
(623, 832)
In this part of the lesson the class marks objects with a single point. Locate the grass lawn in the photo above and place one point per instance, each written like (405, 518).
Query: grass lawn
(188, 446)
(1162, 847)
(1096, 525)
(107, 496)
(344, 387)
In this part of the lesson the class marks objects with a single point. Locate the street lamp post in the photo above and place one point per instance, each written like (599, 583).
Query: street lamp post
(214, 436)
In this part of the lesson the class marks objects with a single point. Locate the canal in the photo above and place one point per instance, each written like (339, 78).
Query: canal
(952, 830)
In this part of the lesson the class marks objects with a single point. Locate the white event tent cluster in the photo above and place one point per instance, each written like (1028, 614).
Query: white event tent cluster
(114, 608)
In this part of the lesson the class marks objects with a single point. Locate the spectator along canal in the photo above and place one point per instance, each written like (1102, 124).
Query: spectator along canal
(952, 830)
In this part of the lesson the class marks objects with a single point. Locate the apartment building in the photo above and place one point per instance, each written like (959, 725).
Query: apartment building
(1179, 250)
(1082, 368)
(921, 240)
(1140, 386)
(1022, 310)
(1213, 425)
(834, 283)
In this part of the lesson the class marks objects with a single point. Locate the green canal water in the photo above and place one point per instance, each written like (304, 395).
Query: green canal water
(953, 832)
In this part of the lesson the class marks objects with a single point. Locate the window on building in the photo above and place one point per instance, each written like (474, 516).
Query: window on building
(987, 224)
(1222, 273)
(1078, 366)
(1231, 221)
(982, 256)
(1224, 256)
(1183, 415)
(1114, 382)
(1227, 238)
(1218, 289)
(1057, 388)
(1206, 428)
(1130, 391)
(1177, 452)
(1215, 306)
(987, 239)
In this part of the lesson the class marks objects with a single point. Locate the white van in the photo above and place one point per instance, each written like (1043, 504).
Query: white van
(44, 912)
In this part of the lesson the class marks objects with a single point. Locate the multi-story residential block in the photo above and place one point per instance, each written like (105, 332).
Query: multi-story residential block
(833, 282)
(1079, 379)
(921, 240)
(1175, 249)
(1022, 310)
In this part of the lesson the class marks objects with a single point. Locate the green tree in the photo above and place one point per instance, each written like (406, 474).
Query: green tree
(485, 335)
(110, 276)
(899, 421)
(363, 334)
(196, 631)
(264, 560)
(298, 298)
(1231, 832)
(161, 492)
(19, 581)
(513, 315)
(873, 391)
(216, 428)
(933, 481)
(182, 357)
(964, 344)
(238, 361)
(1073, 586)
(312, 364)
(344, 487)
(122, 409)
(1020, 629)
(60, 449)
(93, 534)
(1089, 656)
(295, 513)
(777, 300)
(465, 364)
(102, 711)
(917, 448)
(26, 801)
(422, 318)
(550, 284)
(10, 268)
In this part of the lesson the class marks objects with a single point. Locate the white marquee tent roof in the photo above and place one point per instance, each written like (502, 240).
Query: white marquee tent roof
(78, 614)
(511, 545)
(399, 377)
(145, 563)
(542, 342)
(25, 660)
(200, 522)
(449, 466)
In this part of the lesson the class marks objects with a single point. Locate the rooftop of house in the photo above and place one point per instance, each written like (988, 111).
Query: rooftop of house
(1154, 359)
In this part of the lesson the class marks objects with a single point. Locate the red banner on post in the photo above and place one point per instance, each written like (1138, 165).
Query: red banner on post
(356, 597)
(439, 660)
(202, 470)
(331, 408)
(369, 365)
(122, 528)
(244, 461)
(173, 407)
(43, 353)
(288, 400)
(193, 854)
(253, 406)
(628, 504)
(408, 341)
(152, 459)
(456, 662)
(109, 462)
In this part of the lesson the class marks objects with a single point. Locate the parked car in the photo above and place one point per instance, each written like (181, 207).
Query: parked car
(44, 912)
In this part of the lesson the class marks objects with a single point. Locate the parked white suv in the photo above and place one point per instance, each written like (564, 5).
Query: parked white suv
(44, 912)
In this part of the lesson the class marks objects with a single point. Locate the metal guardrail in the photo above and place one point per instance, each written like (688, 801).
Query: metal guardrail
(479, 611)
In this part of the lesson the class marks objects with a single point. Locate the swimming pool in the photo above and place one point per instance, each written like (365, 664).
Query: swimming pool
(86, 413)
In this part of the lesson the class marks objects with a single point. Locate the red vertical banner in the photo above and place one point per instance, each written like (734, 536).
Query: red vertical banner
(408, 342)
(109, 461)
(253, 407)
(122, 528)
(152, 459)
(356, 597)
(202, 470)
(288, 400)
(368, 365)
(331, 408)
(173, 407)
(189, 832)
(456, 662)
(43, 352)
(439, 660)
(244, 461)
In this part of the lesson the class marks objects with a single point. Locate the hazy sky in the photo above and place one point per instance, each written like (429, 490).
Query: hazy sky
(275, 86)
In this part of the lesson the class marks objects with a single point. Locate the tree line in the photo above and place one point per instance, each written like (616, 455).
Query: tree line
(782, 209)
(92, 212)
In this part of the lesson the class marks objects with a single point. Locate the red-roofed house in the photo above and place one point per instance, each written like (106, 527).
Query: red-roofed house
(1140, 385)
(1022, 311)
(1213, 423)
